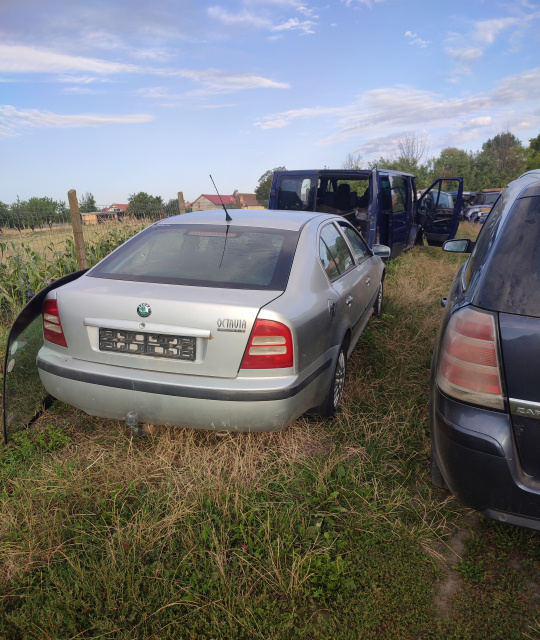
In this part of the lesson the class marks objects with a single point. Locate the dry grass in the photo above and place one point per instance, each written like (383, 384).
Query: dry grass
(324, 527)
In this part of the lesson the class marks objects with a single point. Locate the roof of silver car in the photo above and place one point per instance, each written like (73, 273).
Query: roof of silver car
(289, 220)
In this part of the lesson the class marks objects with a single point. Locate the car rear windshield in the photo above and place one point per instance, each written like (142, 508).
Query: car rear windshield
(512, 276)
(204, 256)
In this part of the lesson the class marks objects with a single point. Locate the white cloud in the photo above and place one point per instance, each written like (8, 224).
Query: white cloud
(484, 33)
(83, 91)
(263, 18)
(464, 57)
(387, 112)
(21, 59)
(245, 18)
(366, 3)
(13, 120)
(283, 119)
(414, 39)
(219, 81)
(293, 24)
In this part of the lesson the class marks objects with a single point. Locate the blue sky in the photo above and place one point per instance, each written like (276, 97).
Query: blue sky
(124, 96)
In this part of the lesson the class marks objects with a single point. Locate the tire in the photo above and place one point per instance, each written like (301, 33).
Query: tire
(377, 307)
(437, 479)
(334, 396)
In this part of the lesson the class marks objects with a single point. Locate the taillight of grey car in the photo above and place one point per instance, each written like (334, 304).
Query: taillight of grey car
(485, 384)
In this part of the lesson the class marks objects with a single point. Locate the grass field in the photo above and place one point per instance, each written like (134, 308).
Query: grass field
(328, 529)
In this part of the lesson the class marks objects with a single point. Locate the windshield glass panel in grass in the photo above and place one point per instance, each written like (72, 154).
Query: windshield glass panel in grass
(205, 256)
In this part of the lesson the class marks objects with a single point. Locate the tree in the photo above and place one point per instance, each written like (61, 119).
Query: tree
(142, 205)
(87, 204)
(454, 162)
(409, 152)
(172, 208)
(352, 161)
(502, 159)
(533, 153)
(36, 212)
(411, 149)
(262, 190)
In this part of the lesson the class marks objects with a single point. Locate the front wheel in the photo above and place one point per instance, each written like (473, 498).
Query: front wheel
(334, 396)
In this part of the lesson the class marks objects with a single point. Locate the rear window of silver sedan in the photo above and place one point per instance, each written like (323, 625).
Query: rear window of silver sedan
(204, 256)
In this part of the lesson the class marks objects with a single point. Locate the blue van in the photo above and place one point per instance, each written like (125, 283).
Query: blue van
(382, 204)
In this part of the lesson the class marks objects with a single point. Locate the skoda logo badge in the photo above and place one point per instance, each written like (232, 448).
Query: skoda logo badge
(144, 310)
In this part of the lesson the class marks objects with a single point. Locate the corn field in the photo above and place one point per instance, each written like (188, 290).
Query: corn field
(36, 250)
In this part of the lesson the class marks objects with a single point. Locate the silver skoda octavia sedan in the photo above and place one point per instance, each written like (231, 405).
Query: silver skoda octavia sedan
(200, 322)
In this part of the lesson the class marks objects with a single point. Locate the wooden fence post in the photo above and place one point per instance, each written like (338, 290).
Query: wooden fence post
(181, 203)
(76, 223)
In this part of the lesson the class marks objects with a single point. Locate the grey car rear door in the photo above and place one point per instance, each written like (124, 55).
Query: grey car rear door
(351, 279)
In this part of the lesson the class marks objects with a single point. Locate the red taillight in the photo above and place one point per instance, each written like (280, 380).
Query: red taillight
(270, 346)
(52, 327)
(469, 364)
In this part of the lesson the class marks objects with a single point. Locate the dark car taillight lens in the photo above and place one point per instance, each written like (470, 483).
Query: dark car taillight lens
(52, 327)
(270, 346)
(469, 367)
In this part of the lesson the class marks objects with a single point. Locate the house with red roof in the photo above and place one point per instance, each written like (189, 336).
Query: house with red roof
(116, 208)
(208, 201)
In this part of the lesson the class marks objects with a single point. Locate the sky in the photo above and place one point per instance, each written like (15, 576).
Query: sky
(113, 98)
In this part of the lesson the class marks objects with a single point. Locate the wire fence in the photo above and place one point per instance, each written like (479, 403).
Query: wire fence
(37, 246)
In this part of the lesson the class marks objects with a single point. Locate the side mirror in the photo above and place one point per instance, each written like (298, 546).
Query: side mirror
(460, 245)
(381, 250)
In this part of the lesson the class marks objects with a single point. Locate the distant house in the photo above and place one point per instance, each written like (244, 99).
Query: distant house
(237, 201)
(105, 215)
(208, 201)
(247, 201)
(116, 208)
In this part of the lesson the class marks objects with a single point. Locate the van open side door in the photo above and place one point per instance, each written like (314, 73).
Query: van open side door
(438, 211)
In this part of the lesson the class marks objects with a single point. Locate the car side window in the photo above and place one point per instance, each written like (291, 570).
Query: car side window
(484, 243)
(334, 253)
(358, 245)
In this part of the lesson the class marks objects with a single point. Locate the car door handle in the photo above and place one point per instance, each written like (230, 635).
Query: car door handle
(348, 301)
(368, 280)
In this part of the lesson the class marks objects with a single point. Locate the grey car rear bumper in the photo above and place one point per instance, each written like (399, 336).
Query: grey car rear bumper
(242, 404)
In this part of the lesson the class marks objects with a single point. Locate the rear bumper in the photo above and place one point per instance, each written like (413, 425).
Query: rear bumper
(240, 404)
(476, 454)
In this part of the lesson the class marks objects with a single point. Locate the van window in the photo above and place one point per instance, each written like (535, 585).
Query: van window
(399, 194)
(296, 192)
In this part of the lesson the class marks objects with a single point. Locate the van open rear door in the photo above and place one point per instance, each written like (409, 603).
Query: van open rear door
(438, 210)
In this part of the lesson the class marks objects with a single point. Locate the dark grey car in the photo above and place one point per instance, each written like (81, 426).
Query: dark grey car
(485, 383)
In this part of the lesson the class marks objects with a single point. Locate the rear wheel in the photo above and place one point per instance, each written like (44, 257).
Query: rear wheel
(334, 396)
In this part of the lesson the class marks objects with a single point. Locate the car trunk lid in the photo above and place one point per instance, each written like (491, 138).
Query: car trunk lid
(159, 327)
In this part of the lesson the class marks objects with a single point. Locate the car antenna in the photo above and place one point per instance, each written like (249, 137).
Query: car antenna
(227, 216)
